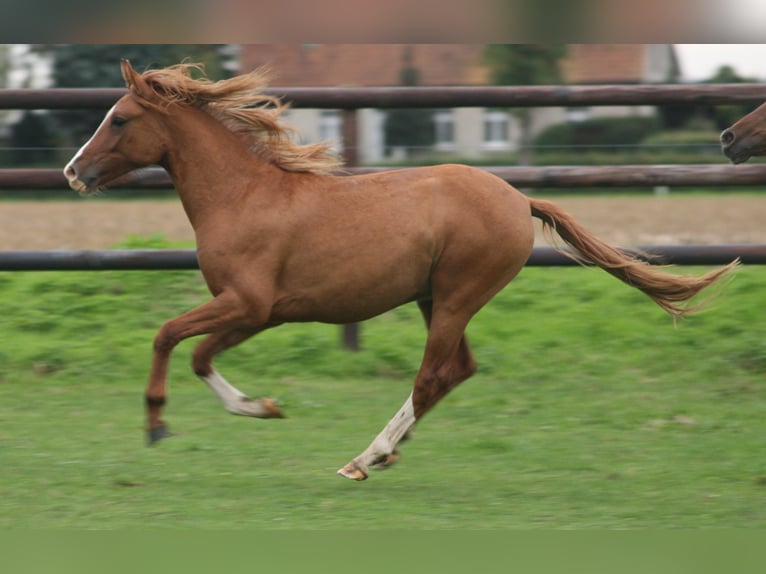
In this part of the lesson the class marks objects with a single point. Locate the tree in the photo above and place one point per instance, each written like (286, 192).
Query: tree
(409, 127)
(5, 64)
(724, 115)
(524, 65)
(5, 68)
(31, 140)
(680, 116)
(98, 66)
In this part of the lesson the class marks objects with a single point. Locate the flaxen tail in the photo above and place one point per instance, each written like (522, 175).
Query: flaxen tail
(667, 290)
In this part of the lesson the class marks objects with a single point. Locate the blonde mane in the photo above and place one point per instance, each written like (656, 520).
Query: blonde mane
(240, 104)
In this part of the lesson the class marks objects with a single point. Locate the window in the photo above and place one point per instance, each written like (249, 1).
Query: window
(444, 125)
(331, 128)
(496, 129)
(577, 114)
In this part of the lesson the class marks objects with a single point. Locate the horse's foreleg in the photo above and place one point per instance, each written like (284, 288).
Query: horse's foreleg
(221, 312)
(234, 400)
(446, 363)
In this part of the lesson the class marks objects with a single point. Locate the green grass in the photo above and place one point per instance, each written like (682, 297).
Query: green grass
(590, 410)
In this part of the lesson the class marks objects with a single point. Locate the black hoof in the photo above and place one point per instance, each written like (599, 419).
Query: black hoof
(157, 434)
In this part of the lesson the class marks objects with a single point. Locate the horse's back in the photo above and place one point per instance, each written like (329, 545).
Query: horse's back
(459, 204)
(452, 195)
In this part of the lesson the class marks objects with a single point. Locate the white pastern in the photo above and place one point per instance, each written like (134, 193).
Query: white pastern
(230, 396)
(392, 434)
(237, 402)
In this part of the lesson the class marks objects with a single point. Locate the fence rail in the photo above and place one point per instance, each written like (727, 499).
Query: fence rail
(175, 259)
(430, 97)
(697, 175)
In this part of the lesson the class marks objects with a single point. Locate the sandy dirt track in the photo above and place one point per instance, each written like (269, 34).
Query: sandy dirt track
(672, 219)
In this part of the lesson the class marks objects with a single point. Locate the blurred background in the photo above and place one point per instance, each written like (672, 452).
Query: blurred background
(499, 136)
(678, 134)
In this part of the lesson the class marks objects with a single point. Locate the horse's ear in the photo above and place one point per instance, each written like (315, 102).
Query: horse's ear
(128, 73)
(133, 80)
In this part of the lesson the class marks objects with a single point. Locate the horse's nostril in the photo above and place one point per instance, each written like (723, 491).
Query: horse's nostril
(727, 137)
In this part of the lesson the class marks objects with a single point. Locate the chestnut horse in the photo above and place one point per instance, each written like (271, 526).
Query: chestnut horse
(281, 237)
(747, 137)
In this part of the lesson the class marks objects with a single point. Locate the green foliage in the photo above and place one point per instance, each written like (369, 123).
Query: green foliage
(682, 138)
(98, 66)
(409, 127)
(5, 64)
(32, 140)
(599, 132)
(590, 410)
(614, 141)
(680, 116)
(524, 64)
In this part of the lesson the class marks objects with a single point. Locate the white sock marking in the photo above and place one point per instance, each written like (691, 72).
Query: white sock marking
(389, 437)
(237, 402)
(227, 392)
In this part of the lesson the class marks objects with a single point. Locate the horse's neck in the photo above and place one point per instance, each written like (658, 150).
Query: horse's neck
(211, 168)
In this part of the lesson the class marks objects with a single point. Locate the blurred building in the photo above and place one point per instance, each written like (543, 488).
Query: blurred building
(463, 132)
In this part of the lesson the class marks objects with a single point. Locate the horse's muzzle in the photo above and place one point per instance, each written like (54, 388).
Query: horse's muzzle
(731, 148)
(79, 184)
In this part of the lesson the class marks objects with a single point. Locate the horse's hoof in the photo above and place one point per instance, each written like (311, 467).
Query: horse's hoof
(264, 408)
(353, 471)
(157, 434)
(272, 408)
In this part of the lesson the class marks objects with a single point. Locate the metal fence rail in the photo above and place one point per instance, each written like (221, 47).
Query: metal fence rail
(174, 259)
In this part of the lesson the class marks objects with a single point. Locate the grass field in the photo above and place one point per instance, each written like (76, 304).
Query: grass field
(590, 410)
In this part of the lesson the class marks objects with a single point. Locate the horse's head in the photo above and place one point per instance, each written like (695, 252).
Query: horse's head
(747, 137)
(130, 137)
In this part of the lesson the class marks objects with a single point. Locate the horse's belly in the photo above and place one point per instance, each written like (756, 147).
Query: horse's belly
(353, 290)
(343, 309)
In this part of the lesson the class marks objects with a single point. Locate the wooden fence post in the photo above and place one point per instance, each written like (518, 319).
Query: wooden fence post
(350, 335)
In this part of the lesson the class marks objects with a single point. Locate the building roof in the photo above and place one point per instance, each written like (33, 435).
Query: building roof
(318, 65)
(604, 63)
(366, 64)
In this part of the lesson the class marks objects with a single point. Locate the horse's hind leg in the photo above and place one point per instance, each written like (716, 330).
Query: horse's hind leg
(234, 400)
(463, 359)
(446, 363)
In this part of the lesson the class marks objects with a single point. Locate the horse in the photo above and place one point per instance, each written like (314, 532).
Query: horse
(284, 235)
(745, 138)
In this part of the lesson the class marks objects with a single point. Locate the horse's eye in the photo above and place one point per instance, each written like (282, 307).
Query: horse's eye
(118, 122)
